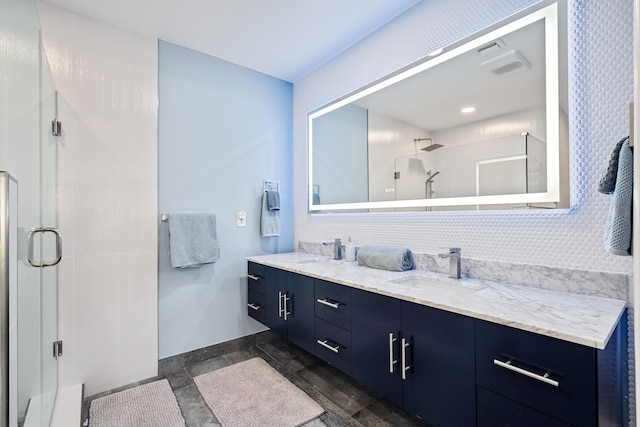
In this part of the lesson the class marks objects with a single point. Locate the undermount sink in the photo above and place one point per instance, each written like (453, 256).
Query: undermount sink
(449, 287)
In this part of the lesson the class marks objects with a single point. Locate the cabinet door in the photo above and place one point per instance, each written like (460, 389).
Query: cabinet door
(495, 410)
(300, 320)
(373, 318)
(440, 384)
(275, 281)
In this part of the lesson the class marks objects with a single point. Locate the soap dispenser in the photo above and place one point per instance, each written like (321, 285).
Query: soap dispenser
(350, 250)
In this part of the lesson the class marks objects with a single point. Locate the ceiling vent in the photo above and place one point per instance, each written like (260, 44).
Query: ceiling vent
(490, 48)
(506, 64)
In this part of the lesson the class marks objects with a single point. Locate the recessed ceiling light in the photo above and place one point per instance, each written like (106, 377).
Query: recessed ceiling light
(436, 52)
(468, 110)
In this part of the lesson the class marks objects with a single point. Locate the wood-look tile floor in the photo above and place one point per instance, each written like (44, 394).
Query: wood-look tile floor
(346, 402)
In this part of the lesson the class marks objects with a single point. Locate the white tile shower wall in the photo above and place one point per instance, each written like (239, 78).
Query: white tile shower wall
(601, 83)
(107, 159)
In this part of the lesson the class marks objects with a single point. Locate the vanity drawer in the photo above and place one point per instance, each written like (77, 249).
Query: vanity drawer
(549, 375)
(255, 277)
(333, 303)
(495, 410)
(256, 306)
(333, 345)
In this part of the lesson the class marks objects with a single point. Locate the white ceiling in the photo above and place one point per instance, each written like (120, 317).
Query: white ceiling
(286, 39)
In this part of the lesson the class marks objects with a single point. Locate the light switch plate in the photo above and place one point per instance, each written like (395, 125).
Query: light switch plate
(241, 219)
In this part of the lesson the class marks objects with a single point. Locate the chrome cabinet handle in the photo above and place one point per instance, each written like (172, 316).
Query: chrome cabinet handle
(282, 305)
(251, 276)
(391, 359)
(403, 348)
(254, 306)
(43, 230)
(325, 301)
(335, 349)
(544, 378)
(286, 311)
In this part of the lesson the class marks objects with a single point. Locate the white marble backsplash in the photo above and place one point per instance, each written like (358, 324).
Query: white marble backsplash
(585, 282)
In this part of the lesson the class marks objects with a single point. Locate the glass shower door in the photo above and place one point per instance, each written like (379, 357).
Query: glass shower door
(28, 153)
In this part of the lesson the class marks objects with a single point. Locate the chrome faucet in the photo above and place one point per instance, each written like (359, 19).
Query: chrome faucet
(337, 248)
(454, 262)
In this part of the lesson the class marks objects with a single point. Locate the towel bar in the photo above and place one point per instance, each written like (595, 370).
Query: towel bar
(270, 185)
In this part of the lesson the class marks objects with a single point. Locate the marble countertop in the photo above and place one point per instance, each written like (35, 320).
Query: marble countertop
(581, 319)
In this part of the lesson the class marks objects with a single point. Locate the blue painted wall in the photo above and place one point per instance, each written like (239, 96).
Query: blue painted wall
(222, 129)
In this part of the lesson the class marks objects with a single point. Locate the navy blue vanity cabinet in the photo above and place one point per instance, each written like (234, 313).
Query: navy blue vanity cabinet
(575, 384)
(256, 299)
(283, 301)
(275, 289)
(333, 324)
(289, 306)
(495, 410)
(419, 357)
(439, 385)
(375, 328)
(300, 319)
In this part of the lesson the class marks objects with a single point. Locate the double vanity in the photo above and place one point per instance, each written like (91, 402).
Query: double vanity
(453, 352)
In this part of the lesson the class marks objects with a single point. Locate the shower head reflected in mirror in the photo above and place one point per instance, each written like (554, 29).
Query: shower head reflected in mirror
(431, 176)
(429, 147)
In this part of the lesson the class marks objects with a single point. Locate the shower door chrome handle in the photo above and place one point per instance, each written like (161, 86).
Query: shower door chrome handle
(58, 257)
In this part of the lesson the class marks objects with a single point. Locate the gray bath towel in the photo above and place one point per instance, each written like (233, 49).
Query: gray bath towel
(607, 183)
(618, 228)
(269, 219)
(193, 239)
(385, 257)
(273, 200)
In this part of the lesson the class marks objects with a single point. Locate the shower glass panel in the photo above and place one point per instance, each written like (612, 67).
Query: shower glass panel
(28, 152)
(474, 169)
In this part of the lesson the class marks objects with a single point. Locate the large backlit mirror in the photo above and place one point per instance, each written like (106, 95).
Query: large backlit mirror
(479, 125)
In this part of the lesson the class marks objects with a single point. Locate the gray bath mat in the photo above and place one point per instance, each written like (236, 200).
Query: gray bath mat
(152, 405)
(252, 393)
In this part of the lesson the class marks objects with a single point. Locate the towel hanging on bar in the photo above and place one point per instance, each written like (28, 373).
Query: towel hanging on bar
(193, 239)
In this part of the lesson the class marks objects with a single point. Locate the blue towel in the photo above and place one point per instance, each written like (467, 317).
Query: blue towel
(385, 258)
(193, 239)
(607, 183)
(618, 229)
(269, 220)
(273, 200)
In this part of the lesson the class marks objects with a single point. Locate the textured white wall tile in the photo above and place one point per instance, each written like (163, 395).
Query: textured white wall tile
(107, 159)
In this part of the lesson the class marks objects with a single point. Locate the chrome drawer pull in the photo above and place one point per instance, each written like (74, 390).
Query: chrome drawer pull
(254, 306)
(329, 303)
(544, 378)
(391, 359)
(335, 349)
(403, 346)
(251, 276)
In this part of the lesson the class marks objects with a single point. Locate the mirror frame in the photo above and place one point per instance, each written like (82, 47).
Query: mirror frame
(545, 11)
